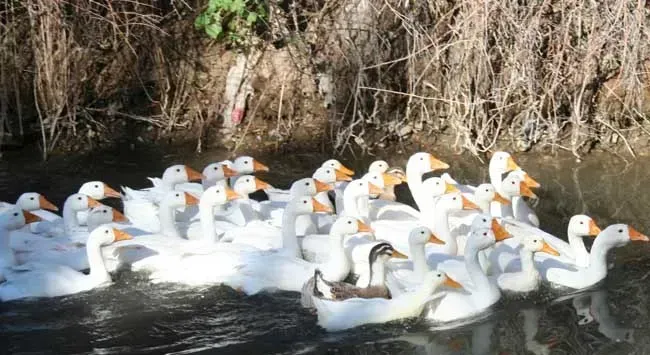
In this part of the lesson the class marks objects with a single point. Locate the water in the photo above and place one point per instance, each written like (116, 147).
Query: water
(132, 316)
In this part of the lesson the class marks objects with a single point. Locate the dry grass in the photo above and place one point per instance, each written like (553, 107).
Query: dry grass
(547, 73)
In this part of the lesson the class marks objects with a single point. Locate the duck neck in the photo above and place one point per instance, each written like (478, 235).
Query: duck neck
(527, 263)
(6, 253)
(351, 206)
(70, 221)
(377, 274)
(598, 255)
(414, 182)
(420, 266)
(580, 251)
(441, 228)
(98, 270)
(495, 179)
(476, 274)
(289, 239)
(206, 214)
(167, 225)
(483, 205)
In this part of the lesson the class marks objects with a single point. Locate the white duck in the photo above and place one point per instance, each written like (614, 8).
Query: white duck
(35, 203)
(573, 253)
(484, 292)
(521, 211)
(353, 312)
(62, 251)
(213, 173)
(57, 280)
(528, 279)
(69, 225)
(615, 235)
(98, 190)
(410, 273)
(244, 210)
(253, 271)
(11, 219)
(245, 165)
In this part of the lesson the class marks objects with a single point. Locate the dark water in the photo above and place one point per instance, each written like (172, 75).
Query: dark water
(132, 316)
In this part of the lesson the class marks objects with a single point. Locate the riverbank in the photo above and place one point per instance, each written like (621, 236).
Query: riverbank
(331, 75)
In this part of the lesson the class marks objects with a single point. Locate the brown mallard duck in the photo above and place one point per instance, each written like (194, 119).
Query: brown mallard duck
(376, 288)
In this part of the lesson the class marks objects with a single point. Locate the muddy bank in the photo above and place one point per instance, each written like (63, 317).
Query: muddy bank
(328, 75)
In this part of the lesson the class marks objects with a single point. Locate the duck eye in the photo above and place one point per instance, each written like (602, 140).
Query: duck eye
(582, 222)
(486, 190)
(307, 183)
(304, 201)
(106, 231)
(439, 275)
(620, 231)
(96, 186)
(216, 168)
(16, 214)
(32, 198)
(105, 211)
(360, 184)
(421, 232)
(327, 171)
(79, 198)
(484, 220)
(535, 241)
(177, 195)
(246, 162)
(484, 234)
(437, 182)
(454, 199)
(349, 222)
(178, 170)
(513, 182)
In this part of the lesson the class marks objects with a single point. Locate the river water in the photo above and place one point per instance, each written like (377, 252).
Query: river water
(134, 317)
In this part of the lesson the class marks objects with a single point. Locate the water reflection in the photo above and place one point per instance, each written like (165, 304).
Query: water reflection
(136, 317)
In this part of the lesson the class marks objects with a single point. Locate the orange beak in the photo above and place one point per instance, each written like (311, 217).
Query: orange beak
(231, 194)
(530, 181)
(193, 175)
(437, 164)
(524, 190)
(593, 229)
(435, 240)
(109, 192)
(346, 171)
(500, 233)
(30, 217)
(549, 249)
(321, 186)
(374, 189)
(398, 255)
(500, 199)
(362, 227)
(391, 180)
(511, 165)
(635, 235)
(257, 166)
(261, 185)
(452, 283)
(450, 188)
(319, 207)
(43, 203)
(118, 216)
(92, 203)
(190, 200)
(121, 235)
(468, 205)
(228, 172)
(341, 176)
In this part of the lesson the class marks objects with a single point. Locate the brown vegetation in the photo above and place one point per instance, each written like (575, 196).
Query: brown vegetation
(550, 74)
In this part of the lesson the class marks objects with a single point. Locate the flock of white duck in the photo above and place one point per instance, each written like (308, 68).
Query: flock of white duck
(356, 254)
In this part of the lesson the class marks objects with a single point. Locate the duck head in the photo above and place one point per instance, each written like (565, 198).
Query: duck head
(248, 165)
(378, 166)
(333, 163)
(31, 201)
(437, 187)
(581, 225)
(247, 184)
(178, 174)
(422, 235)
(422, 163)
(98, 190)
(15, 218)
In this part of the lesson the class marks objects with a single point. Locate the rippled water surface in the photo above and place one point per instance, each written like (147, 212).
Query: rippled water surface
(132, 316)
